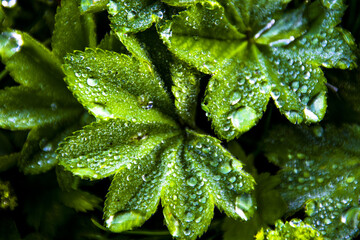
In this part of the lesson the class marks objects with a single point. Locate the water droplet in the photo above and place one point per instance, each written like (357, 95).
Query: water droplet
(131, 15)
(244, 205)
(126, 220)
(99, 110)
(91, 82)
(191, 182)
(307, 75)
(295, 85)
(351, 217)
(275, 94)
(10, 43)
(324, 43)
(232, 179)
(189, 217)
(187, 232)
(235, 97)
(8, 3)
(225, 168)
(316, 108)
(303, 89)
(243, 118)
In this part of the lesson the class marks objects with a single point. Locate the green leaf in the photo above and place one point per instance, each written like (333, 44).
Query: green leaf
(91, 6)
(80, 201)
(129, 16)
(38, 153)
(25, 108)
(112, 85)
(116, 145)
(260, 51)
(295, 229)
(8, 161)
(31, 64)
(111, 43)
(320, 170)
(72, 30)
(185, 89)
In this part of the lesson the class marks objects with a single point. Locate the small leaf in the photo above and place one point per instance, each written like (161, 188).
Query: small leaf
(72, 30)
(111, 43)
(80, 201)
(320, 171)
(295, 229)
(24, 108)
(129, 16)
(91, 6)
(185, 89)
(112, 85)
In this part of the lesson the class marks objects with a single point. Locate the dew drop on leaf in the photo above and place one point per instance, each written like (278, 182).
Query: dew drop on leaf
(191, 182)
(8, 3)
(126, 220)
(351, 217)
(10, 43)
(91, 82)
(243, 118)
(243, 205)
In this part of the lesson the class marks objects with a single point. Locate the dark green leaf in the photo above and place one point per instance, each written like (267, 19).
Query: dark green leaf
(72, 30)
(8, 161)
(111, 42)
(321, 171)
(80, 201)
(24, 108)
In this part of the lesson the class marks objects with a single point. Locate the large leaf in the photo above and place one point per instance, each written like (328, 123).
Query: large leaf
(113, 85)
(152, 162)
(320, 170)
(261, 50)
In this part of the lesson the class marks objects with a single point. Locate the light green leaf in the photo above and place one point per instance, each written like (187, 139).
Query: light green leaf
(260, 50)
(91, 6)
(72, 30)
(96, 154)
(320, 171)
(129, 16)
(185, 89)
(133, 45)
(111, 85)
(25, 108)
(31, 64)
(295, 229)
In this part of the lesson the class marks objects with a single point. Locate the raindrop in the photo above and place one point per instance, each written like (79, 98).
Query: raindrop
(189, 217)
(191, 182)
(91, 82)
(131, 15)
(225, 168)
(235, 97)
(10, 43)
(125, 220)
(244, 204)
(307, 75)
(243, 118)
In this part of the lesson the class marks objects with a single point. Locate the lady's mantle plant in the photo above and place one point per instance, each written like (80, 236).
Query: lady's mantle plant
(142, 82)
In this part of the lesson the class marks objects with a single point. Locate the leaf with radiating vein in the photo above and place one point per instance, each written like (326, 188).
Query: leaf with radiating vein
(97, 154)
(24, 108)
(321, 172)
(72, 30)
(286, 46)
(128, 16)
(112, 85)
(186, 87)
(91, 6)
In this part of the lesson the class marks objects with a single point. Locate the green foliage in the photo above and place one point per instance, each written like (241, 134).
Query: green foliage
(320, 171)
(162, 81)
(256, 54)
(295, 229)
